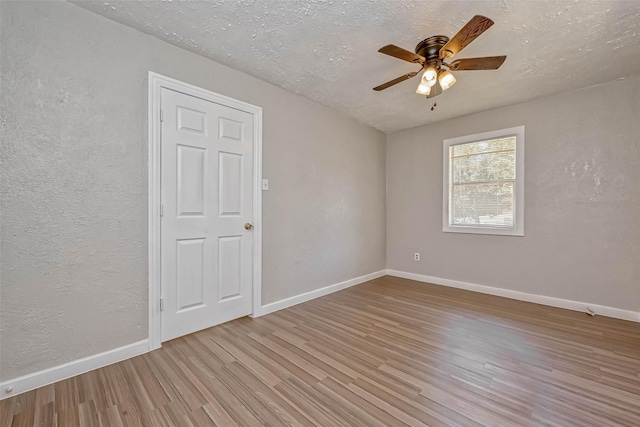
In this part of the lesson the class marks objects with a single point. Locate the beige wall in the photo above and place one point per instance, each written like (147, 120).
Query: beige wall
(74, 155)
(582, 198)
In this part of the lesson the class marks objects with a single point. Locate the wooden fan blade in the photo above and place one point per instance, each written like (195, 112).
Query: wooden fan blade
(395, 81)
(401, 53)
(476, 26)
(486, 63)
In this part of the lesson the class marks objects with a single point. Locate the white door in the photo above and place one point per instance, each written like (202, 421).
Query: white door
(207, 204)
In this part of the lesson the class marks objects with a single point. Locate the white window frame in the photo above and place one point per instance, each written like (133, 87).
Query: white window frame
(518, 229)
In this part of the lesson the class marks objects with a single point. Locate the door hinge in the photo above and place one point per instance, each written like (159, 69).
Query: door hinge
(161, 211)
(162, 115)
(161, 304)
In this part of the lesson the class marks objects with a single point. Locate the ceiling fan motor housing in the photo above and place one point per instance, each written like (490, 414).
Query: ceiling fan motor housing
(430, 47)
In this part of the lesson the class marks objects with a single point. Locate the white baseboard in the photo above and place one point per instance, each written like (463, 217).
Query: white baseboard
(601, 310)
(71, 369)
(291, 301)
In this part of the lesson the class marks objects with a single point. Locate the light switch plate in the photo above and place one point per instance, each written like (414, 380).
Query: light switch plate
(265, 184)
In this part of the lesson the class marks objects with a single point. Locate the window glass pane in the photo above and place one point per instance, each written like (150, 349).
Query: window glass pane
(483, 205)
(501, 144)
(484, 167)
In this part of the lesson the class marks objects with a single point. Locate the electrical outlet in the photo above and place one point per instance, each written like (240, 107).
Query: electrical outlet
(416, 256)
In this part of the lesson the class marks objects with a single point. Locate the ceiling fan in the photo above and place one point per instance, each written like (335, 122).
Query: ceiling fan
(432, 52)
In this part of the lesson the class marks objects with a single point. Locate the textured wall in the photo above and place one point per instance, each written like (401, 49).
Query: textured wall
(74, 228)
(582, 200)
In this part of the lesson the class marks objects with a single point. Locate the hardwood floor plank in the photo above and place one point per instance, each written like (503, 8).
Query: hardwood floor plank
(350, 415)
(95, 390)
(388, 403)
(289, 355)
(110, 417)
(87, 414)
(247, 356)
(183, 390)
(314, 358)
(358, 401)
(7, 411)
(45, 415)
(288, 412)
(67, 417)
(301, 394)
(222, 403)
(200, 418)
(390, 352)
(265, 408)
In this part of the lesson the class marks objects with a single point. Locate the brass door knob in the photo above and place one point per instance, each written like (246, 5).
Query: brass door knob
(248, 226)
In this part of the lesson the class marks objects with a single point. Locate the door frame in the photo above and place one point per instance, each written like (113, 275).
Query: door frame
(156, 83)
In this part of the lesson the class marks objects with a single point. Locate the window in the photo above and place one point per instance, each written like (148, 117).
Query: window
(484, 183)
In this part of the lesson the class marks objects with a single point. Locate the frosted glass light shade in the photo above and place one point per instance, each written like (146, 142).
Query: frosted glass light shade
(446, 79)
(429, 76)
(423, 89)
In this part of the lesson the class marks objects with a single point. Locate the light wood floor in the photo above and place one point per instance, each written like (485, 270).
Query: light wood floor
(389, 352)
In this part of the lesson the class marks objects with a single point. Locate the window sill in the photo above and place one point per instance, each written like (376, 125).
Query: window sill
(481, 230)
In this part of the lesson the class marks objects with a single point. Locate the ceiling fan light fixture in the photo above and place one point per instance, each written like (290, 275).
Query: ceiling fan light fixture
(446, 79)
(431, 52)
(423, 89)
(429, 76)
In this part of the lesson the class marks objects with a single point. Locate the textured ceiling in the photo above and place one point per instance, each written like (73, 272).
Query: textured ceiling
(327, 50)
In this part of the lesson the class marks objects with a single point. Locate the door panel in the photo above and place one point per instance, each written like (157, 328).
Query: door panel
(230, 181)
(207, 197)
(230, 129)
(191, 180)
(190, 273)
(192, 120)
(230, 261)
